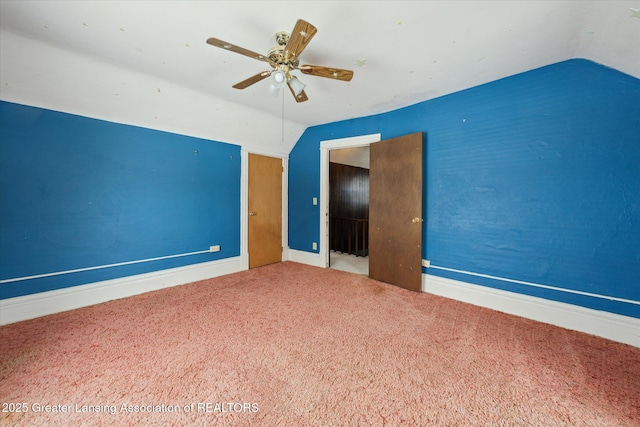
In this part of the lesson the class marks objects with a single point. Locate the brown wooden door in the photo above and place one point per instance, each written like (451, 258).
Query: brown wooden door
(265, 210)
(395, 212)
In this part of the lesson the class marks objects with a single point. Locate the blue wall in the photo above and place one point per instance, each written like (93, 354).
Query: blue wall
(77, 193)
(532, 178)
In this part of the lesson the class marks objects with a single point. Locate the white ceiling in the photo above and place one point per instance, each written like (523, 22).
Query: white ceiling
(147, 62)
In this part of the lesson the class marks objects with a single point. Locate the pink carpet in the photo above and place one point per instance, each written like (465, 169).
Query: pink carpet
(293, 345)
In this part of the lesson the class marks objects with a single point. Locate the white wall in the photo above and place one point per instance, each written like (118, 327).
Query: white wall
(46, 76)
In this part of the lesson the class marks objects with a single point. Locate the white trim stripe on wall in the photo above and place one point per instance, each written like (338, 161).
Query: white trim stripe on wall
(537, 285)
(98, 267)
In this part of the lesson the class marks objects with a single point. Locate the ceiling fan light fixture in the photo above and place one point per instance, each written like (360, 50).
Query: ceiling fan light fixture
(274, 90)
(279, 78)
(296, 85)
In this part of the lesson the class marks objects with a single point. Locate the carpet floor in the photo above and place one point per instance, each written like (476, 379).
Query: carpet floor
(294, 345)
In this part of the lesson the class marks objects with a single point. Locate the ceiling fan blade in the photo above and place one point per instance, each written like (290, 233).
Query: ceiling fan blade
(330, 73)
(302, 97)
(237, 49)
(251, 80)
(300, 37)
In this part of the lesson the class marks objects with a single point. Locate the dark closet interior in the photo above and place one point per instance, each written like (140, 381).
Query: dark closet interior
(349, 209)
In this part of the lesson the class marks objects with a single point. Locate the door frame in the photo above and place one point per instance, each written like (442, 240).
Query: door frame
(244, 202)
(325, 147)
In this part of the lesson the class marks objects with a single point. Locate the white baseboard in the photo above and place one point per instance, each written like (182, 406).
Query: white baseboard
(303, 257)
(612, 326)
(41, 304)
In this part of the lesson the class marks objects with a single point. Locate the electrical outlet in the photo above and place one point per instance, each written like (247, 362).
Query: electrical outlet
(426, 263)
(215, 248)
(314, 246)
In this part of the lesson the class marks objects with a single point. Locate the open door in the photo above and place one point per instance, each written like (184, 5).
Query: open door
(265, 210)
(395, 212)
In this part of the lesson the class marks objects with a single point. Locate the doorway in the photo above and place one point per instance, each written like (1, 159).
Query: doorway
(325, 148)
(349, 209)
(397, 260)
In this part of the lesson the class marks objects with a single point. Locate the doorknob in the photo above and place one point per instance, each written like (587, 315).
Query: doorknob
(415, 220)
(252, 214)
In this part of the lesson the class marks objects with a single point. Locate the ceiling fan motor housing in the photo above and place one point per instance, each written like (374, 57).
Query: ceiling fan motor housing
(278, 56)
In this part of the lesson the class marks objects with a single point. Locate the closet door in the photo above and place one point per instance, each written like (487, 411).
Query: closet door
(265, 210)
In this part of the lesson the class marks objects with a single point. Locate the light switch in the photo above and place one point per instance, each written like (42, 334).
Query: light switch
(315, 200)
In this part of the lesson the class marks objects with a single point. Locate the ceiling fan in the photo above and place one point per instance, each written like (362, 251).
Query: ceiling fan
(284, 59)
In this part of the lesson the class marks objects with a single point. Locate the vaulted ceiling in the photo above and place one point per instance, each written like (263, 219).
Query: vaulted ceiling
(147, 63)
